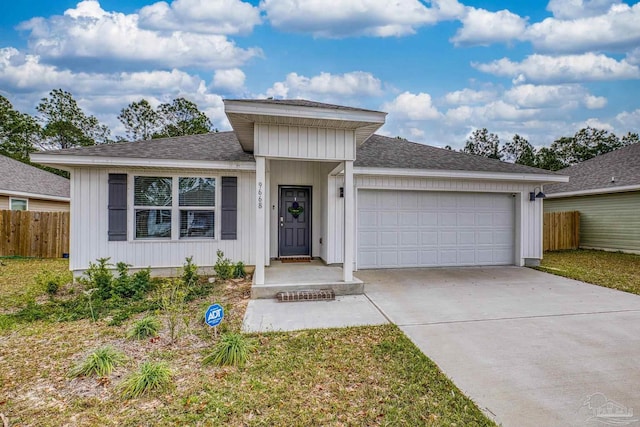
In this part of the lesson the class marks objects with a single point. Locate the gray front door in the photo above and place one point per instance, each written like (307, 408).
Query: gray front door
(295, 222)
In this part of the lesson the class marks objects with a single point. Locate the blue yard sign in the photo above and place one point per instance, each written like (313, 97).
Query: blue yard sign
(214, 315)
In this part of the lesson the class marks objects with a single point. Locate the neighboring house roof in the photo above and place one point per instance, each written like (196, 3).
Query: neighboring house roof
(22, 179)
(384, 152)
(216, 146)
(615, 171)
(302, 103)
(377, 152)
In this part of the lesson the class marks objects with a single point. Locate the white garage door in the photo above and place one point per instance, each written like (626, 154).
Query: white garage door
(428, 229)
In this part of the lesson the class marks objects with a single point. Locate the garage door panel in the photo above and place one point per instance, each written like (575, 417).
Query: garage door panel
(417, 228)
(409, 238)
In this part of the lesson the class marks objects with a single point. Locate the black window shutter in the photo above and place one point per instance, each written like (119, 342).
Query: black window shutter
(117, 207)
(229, 208)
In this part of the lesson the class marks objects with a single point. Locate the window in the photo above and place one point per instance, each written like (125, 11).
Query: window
(19, 204)
(197, 197)
(152, 203)
(189, 202)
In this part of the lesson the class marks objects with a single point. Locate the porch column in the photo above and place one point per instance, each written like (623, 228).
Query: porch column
(261, 221)
(349, 226)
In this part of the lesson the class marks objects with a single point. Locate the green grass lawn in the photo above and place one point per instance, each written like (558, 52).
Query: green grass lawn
(336, 377)
(611, 269)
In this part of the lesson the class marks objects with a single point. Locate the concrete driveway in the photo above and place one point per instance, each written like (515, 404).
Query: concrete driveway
(530, 348)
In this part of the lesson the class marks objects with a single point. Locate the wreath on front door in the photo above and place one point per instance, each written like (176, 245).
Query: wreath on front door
(295, 209)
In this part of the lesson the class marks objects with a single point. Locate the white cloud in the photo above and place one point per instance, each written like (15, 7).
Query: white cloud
(595, 102)
(90, 35)
(469, 96)
(104, 94)
(597, 124)
(327, 86)
(553, 96)
(232, 79)
(482, 27)
(616, 30)
(202, 16)
(571, 9)
(412, 106)
(629, 120)
(568, 68)
(341, 18)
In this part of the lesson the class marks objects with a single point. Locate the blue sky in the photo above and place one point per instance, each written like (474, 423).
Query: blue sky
(440, 68)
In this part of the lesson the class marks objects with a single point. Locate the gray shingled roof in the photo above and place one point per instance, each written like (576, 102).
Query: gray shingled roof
(596, 173)
(302, 103)
(217, 146)
(378, 151)
(24, 178)
(384, 152)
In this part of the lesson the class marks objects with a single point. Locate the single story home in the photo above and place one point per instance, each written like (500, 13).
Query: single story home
(297, 178)
(606, 192)
(24, 187)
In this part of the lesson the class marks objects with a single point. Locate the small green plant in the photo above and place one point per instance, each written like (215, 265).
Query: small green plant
(130, 286)
(52, 282)
(223, 266)
(151, 376)
(100, 277)
(147, 327)
(100, 362)
(232, 350)
(190, 273)
(239, 270)
(172, 300)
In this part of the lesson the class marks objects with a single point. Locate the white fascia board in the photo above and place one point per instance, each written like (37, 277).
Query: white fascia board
(34, 196)
(453, 174)
(75, 161)
(594, 191)
(248, 107)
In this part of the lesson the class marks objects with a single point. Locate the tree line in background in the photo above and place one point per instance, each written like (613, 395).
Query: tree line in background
(61, 123)
(565, 151)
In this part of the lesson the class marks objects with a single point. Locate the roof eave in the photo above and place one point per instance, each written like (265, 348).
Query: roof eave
(244, 114)
(478, 175)
(594, 191)
(31, 195)
(67, 162)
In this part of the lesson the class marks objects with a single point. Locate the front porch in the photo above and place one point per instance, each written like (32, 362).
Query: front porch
(314, 275)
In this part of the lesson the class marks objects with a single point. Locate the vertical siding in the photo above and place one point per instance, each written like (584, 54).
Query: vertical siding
(295, 142)
(528, 214)
(89, 239)
(312, 174)
(607, 221)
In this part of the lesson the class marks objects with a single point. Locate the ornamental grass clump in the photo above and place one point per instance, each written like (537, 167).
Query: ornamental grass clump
(147, 327)
(150, 377)
(232, 350)
(99, 362)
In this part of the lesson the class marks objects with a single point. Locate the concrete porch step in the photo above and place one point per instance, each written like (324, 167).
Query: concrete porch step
(271, 290)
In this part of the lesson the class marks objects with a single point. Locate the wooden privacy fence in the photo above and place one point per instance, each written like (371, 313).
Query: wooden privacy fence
(561, 230)
(34, 234)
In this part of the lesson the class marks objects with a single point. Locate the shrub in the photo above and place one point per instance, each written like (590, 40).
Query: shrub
(238, 270)
(172, 300)
(127, 286)
(51, 282)
(99, 276)
(100, 362)
(151, 376)
(232, 349)
(147, 327)
(190, 273)
(223, 266)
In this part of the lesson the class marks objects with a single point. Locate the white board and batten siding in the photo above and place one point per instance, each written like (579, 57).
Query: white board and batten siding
(527, 216)
(308, 143)
(89, 227)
